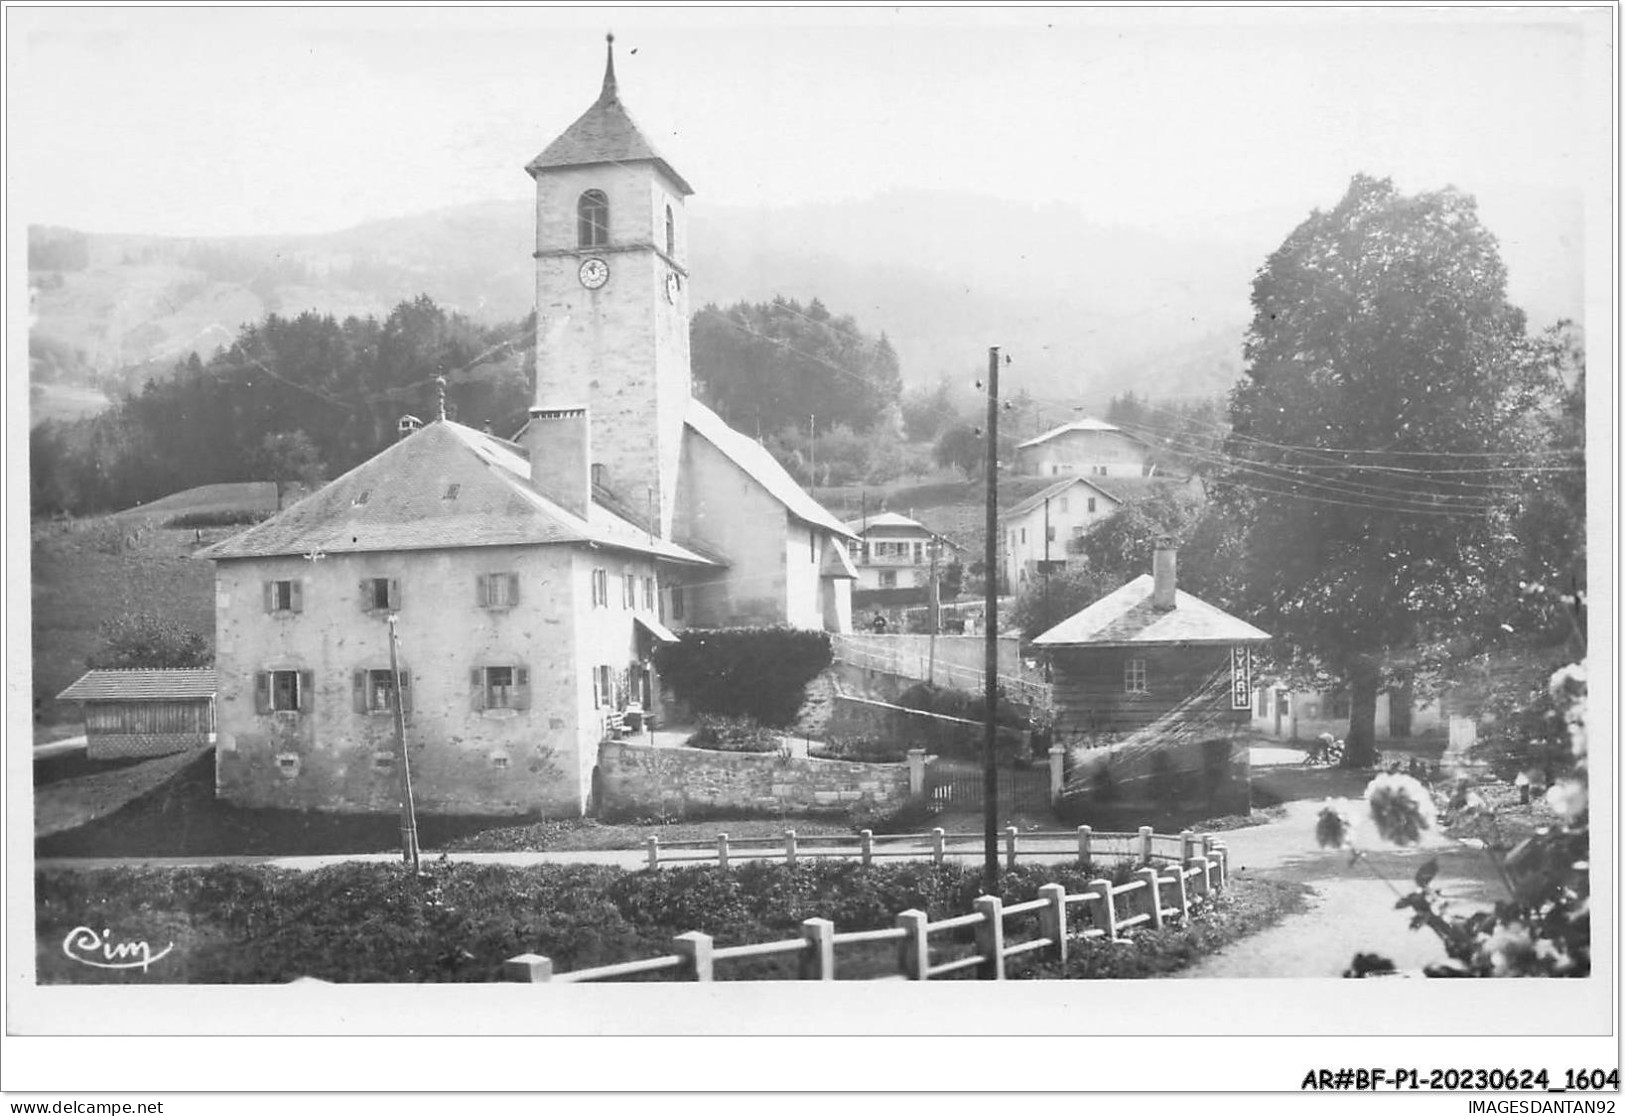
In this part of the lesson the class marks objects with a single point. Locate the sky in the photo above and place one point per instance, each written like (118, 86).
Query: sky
(289, 120)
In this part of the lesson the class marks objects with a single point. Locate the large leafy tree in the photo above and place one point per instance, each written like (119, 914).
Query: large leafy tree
(779, 364)
(1382, 439)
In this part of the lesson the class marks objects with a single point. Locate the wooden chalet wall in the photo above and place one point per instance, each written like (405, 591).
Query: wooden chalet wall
(1091, 697)
(119, 729)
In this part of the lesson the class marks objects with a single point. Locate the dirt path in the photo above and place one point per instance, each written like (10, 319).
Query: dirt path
(1353, 911)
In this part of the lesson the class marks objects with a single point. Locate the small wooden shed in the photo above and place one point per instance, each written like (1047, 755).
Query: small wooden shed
(133, 713)
(1152, 689)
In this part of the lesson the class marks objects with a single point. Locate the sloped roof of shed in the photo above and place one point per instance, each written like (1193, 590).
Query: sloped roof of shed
(141, 685)
(1125, 617)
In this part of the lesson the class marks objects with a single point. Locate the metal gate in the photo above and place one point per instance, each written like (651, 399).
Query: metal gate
(955, 787)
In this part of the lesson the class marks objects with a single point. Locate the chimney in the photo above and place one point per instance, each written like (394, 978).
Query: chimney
(1163, 566)
(407, 425)
(560, 448)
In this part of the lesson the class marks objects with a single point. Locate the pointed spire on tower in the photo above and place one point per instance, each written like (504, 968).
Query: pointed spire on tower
(609, 92)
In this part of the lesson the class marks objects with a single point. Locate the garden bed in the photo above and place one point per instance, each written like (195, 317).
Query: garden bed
(460, 922)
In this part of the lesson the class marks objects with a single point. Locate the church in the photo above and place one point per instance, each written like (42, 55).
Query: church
(517, 588)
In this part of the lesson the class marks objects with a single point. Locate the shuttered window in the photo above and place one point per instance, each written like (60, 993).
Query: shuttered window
(497, 590)
(284, 596)
(283, 691)
(373, 690)
(381, 594)
(500, 686)
(600, 588)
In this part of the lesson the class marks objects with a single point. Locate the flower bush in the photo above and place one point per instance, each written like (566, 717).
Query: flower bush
(1543, 927)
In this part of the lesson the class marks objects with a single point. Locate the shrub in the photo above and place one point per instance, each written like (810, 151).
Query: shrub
(733, 734)
(860, 749)
(150, 641)
(227, 517)
(760, 673)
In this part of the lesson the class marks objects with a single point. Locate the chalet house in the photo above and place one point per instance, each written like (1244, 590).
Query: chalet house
(1043, 531)
(893, 557)
(1152, 687)
(1086, 448)
(527, 581)
(138, 713)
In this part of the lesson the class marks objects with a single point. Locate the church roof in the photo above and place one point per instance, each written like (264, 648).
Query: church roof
(761, 467)
(605, 133)
(444, 486)
(1125, 617)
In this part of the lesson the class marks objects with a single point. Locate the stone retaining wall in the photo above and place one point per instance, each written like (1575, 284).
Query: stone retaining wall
(640, 778)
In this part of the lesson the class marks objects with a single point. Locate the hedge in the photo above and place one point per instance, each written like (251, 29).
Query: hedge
(760, 673)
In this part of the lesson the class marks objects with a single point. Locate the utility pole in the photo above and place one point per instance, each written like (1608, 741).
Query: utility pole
(1046, 563)
(409, 819)
(990, 771)
(812, 450)
(934, 610)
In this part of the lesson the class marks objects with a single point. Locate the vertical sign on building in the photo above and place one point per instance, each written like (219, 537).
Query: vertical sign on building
(1241, 677)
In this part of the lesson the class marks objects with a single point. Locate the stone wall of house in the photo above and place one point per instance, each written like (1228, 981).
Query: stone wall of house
(722, 509)
(335, 754)
(640, 778)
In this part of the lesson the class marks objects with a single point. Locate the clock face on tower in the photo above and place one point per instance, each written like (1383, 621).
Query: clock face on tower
(594, 273)
(673, 285)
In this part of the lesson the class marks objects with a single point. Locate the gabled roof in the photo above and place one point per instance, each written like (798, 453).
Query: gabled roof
(604, 133)
(885, 519)
(1126, 489)
(444, 486)
(1125, 617)
(1052, 491)
(1082, 425)
(761, 467)
(141, 685)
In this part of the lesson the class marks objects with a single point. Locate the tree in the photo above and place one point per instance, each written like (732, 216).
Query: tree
(1120, 546)
(289, 457)
(927, 411)
(961, 447)
(1045, 602)
(1381, 438)
(148, 640)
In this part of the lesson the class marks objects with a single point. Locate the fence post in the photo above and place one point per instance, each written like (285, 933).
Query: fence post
(1145, 844)
(1153, 884)
(1223, 852)
(694, 948)
(1057, 773)
(1204, 888)
(1010, 834)
(866, 840)
(1084, 833)
(790, 847)
(1103, 889)
(916, 772)
(654, 850)
(528, 968)
(1181, 897)
(937, 845)
(914, 954)
(1052, 919)
(818, 959)
(990, 937)
(722, 850)
(1187, 844)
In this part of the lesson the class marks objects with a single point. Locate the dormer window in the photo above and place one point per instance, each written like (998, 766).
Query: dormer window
(671, 234)
(592, 219)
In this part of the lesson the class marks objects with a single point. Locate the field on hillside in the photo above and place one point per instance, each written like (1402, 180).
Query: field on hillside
(86, 571)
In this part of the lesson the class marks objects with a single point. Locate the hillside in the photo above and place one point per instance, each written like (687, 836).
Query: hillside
(1086, 309)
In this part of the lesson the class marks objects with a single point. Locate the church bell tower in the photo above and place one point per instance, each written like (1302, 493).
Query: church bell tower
(612, 299)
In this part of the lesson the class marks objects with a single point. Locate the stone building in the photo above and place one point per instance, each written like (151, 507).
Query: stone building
(527, 580)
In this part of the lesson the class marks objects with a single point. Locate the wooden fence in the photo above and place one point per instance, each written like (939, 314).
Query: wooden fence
(1167, 889)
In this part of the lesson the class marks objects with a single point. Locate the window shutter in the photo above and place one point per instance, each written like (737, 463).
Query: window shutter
(307, 680)
(513, 588)
(358, 690)
(262, 692)
(270, 596)
(297, 594)
(482, 593)
(597, 697)
(476, 683)
(521, 687)
(394, 594)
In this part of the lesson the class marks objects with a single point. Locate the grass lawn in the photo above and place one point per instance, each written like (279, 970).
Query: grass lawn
(459, 922)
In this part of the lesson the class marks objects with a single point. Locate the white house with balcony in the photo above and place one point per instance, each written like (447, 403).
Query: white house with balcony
(1086, 448)
(893, 556)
